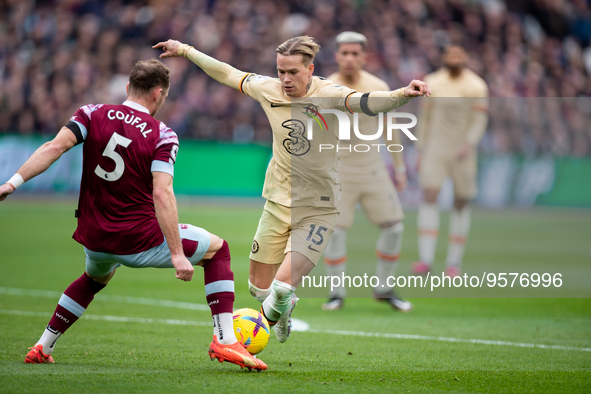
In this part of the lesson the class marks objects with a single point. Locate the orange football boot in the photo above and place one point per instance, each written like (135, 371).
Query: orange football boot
(235, 354)
(36, 356)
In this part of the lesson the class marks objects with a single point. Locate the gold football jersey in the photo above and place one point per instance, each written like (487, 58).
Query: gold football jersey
(300, 172)
(447, 116)
(359, 162)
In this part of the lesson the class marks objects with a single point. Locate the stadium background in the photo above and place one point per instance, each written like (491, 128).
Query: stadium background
(58, 55)
(148, 332)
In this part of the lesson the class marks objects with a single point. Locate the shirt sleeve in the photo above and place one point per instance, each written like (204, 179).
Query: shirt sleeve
(166, 151)
(338, 95)
(80, 122)
(253, 84)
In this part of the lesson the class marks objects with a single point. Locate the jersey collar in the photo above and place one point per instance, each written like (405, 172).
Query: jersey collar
(137, 106)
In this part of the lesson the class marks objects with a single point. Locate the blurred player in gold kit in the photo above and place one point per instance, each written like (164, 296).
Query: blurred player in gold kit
(449, 129)
(365, 180)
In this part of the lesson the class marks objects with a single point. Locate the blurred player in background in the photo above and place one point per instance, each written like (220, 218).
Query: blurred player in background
(301, 184)
(365, 180)
(450, 127)
(127, 213)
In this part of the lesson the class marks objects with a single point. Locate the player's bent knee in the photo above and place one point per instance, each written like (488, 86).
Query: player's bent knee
(216, 245)
(430, 195)
(261, 275)
(396, 228)
(460, 203)
(387, 225)
(103, 280)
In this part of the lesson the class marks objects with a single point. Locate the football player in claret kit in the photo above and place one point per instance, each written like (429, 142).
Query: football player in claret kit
(301, 183)
(365, 180)
(127, 213)
(450, 126)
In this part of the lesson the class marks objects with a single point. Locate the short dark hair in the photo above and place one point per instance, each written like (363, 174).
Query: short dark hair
(147, 75)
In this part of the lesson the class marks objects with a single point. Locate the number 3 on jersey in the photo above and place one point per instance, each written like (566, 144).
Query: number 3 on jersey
(109, 152)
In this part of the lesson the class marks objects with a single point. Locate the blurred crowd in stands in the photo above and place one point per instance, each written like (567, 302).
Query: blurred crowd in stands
(58, 55)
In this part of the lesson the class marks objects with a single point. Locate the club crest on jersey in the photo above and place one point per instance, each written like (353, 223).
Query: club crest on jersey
(173, 152)
(297, 144)
(255, 246)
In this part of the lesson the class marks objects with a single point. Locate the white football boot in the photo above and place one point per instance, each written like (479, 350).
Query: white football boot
(283, 325)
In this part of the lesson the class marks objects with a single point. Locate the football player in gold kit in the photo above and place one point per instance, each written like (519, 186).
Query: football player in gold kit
(365, 180)
(301, 183)
(450, 126)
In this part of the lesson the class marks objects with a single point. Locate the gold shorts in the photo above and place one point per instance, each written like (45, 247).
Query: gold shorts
(299, 229)
(435, 168)
(376, 194)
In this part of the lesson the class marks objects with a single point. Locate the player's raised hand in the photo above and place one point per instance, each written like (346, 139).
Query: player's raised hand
(170, 48)
(5, 190)
(464, 151)
(183, 267)
(417, 88)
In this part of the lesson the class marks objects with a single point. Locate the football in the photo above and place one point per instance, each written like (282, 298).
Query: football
(252, 329)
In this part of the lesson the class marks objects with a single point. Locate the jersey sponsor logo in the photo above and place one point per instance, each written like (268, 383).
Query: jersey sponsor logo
(297, 144)
(261, 78)
(311, 111)
(255, 246)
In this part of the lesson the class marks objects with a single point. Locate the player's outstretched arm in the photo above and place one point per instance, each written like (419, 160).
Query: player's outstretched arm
(167, 215)
(221, 72)
(40, 161)
(376, 102)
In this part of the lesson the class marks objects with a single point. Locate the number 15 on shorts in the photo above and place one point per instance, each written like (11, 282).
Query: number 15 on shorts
(315, 236)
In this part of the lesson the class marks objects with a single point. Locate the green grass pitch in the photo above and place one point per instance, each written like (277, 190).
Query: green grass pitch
(137, 352)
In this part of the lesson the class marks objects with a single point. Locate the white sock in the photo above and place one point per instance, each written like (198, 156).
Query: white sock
(259, 294)
(223, 328)
(335, 259)
(48, 339)
(337, 270)
(428, 223)
(459, 227)
(279, 301)
(388, 252)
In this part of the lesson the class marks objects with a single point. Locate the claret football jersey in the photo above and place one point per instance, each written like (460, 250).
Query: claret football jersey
(123, 145)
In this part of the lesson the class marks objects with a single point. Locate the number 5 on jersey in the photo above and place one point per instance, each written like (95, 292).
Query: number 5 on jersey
(109, 152)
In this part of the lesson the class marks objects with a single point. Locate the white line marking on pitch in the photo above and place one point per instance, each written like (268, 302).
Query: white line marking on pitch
(123, 319)
(103, 297)
(120, 319)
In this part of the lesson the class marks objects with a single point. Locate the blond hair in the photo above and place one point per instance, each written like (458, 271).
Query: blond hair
(302, 45)
(351, 37)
